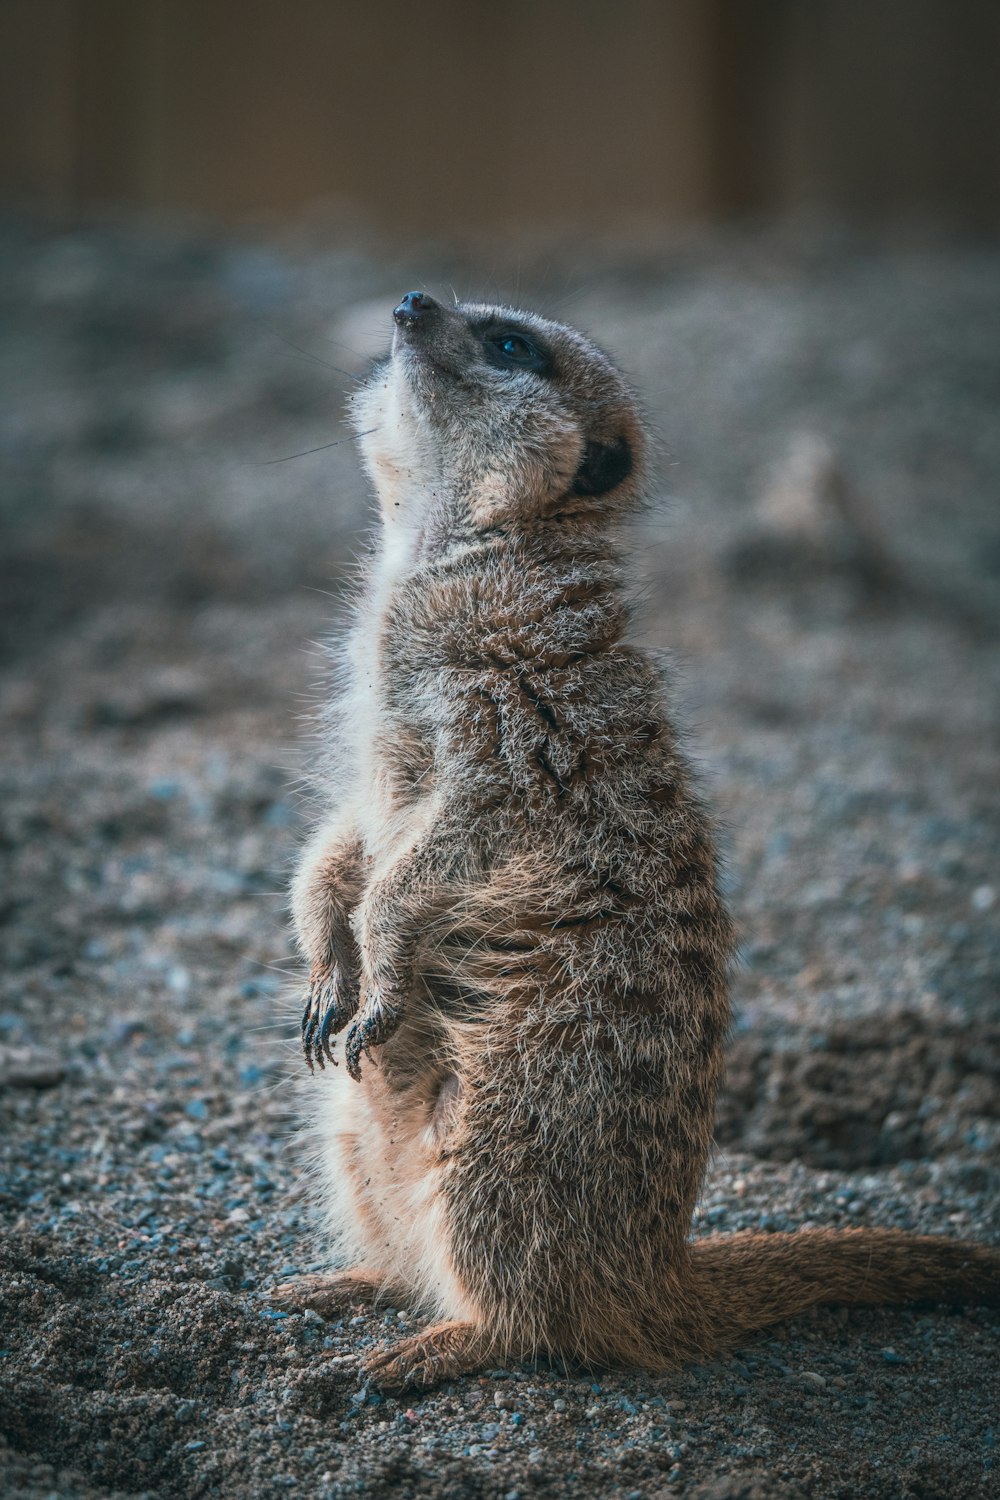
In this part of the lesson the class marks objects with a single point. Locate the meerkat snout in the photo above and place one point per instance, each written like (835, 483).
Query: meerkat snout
(412, 307)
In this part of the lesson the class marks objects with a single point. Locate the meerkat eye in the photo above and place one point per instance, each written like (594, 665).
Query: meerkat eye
(513, 350)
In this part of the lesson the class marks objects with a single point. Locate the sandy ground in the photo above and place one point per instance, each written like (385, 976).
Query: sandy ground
(834, 629)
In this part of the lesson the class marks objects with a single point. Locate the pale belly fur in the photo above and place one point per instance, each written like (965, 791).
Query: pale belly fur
(380, 1144)
(381, 1154)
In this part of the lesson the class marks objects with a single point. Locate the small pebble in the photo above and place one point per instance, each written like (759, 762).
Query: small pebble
(24, 1068)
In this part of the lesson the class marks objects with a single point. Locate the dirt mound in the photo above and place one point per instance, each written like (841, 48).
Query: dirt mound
(865, 1093)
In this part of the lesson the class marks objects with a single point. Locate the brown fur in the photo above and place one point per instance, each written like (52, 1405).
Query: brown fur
(513, 912)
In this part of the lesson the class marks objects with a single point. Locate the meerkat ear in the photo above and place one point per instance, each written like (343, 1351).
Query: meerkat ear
(604, 466)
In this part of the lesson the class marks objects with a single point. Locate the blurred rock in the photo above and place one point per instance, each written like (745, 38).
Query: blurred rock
(27, 1068)
(810, 520)
(170, 693)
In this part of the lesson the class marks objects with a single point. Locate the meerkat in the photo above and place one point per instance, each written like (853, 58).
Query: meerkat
(512, 914)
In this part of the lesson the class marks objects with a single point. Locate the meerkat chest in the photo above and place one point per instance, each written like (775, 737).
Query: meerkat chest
(397, 810)
(395, 760)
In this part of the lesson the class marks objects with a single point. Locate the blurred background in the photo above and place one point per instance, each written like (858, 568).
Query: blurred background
(781, 216)
(567, 113)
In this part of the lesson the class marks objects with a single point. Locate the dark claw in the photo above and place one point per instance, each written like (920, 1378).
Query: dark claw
(310, 1018)
(378, 1020)
(331, 1003)
(314, 1019)
(326, 1030)
(353, 1048)
(308, 1027)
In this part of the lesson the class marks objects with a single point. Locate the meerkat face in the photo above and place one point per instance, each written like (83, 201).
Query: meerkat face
(502, 415)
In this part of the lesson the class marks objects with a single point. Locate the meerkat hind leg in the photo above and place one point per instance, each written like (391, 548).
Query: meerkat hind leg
(332, 1293)
(442, 1352)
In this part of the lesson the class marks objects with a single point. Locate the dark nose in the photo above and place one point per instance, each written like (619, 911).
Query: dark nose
(414, 306)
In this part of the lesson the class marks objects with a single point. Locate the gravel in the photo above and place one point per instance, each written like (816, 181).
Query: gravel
(162, 579)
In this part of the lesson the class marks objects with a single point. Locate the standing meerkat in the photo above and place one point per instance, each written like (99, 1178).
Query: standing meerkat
(512, 916)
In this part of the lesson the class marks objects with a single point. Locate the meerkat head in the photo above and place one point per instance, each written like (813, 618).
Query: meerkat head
(498, 417)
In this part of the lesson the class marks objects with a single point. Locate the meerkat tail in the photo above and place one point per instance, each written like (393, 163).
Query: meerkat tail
(741, 1283)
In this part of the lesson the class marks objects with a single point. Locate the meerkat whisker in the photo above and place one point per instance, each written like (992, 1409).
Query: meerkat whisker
(318, 360)
(351, 438)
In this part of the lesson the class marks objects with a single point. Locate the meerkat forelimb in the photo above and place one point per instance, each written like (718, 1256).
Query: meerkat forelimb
(327, 888)
(514, 919)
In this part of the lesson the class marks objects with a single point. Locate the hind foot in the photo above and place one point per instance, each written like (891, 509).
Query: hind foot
(441, 1352)
(332, 1294)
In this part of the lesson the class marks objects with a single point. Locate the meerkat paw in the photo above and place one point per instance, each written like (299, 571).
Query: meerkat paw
(331, 1003)
(441, 1352)
(333, 1293)
(378, 1018)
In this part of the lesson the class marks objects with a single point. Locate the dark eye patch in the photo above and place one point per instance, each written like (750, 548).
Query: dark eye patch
(511, 348)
